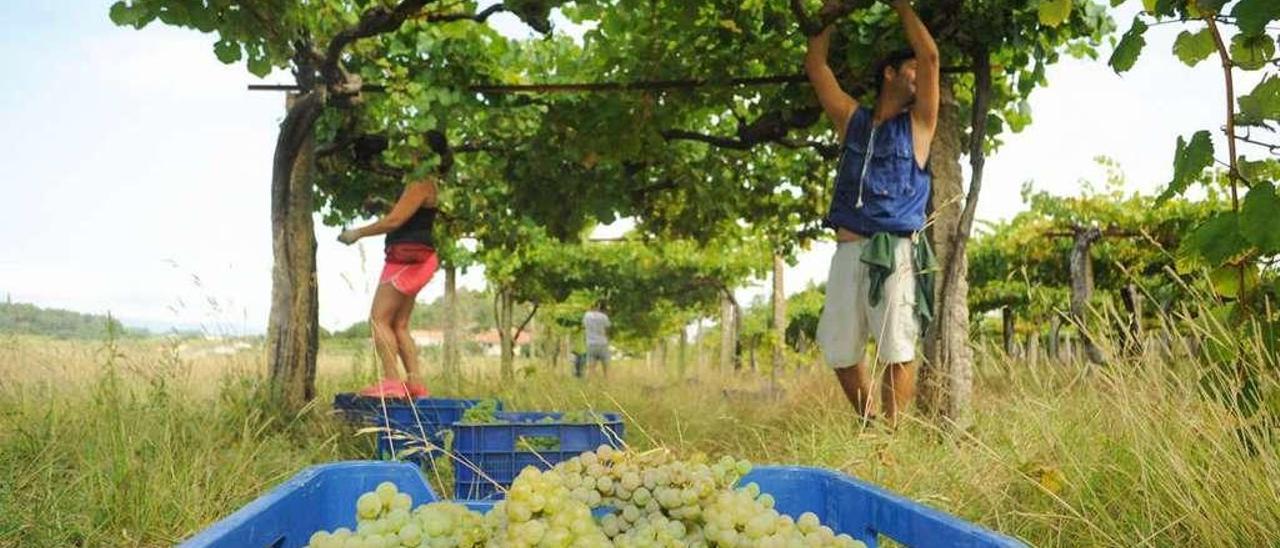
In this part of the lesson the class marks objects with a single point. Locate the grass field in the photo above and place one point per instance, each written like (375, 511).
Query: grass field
(141, 442)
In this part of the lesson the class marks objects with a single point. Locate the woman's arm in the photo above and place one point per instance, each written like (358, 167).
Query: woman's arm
(415, 195)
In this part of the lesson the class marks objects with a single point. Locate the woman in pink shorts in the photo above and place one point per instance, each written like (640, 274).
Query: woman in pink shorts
(410, 262)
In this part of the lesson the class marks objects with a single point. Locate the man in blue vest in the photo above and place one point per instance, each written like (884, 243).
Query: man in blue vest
(878, 211)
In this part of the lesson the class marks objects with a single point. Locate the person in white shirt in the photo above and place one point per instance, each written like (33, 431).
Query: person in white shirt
(596, 325)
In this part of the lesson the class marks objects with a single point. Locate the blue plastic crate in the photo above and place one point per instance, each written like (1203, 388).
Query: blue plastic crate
(487, 456)
(864, 511)
(427, 418)
(320, 497)
(324, 497)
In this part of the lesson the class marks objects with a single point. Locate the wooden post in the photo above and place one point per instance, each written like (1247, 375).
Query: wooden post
(737, 336)
(662, 354)
(1006, 313)
(565, 352)
(452, 355)
(1033, 348)
(682, 364)
(1055, 337)
(1082, 286)
(779, 313)
(506, 331)
(727, 337)
(700, 362)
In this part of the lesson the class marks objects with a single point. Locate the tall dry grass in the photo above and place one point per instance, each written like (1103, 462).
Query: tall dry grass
(143, 442)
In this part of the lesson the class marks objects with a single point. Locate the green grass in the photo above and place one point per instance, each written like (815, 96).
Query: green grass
(134, 444)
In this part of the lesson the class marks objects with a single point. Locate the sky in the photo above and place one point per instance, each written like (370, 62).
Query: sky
(135, 167)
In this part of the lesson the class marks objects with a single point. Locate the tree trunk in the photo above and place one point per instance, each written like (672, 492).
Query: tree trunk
(946, 376)
(700, 362)
(506, 332)
(737, 337)
(293, 327)
(1055, 334)
(1006, 315)
(1033, 348)
(662, 355)
(565, 352)
(549, 345)
(1082, 286)
(726, 334)
(779, 313)
(452, 356)
(682, 361)
(531, 349)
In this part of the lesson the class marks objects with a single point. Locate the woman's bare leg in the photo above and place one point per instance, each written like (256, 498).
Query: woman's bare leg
(404, 341)
(387, 301)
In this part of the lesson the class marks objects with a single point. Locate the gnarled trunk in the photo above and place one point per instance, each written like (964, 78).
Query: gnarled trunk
(946, 376)
(293, 325)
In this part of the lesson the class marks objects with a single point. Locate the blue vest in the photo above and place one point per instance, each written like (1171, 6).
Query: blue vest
(894, 193)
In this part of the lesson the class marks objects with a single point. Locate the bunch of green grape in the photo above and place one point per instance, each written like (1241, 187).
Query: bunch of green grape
(581, 417)
(484, 412)
(744, 517)
(384, 520)
(540, 511)
(658, 500)
(652, 499)
(537, 444)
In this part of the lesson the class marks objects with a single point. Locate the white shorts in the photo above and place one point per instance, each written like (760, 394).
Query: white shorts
(848, 319)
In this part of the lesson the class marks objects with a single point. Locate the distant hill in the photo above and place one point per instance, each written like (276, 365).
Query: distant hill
(29, 319)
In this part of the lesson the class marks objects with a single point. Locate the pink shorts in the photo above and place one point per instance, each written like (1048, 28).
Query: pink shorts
(410, 278)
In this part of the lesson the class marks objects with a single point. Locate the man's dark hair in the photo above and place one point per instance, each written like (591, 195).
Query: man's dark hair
(895, 60)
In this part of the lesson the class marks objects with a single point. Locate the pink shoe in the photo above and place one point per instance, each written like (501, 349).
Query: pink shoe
(388, 388)
(417, 389)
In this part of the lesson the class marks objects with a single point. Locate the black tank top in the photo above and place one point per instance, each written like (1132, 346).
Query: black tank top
(416, 230)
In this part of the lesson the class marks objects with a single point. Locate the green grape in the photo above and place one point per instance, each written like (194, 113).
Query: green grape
(410, 535)
(766, 500)
(604, 485)
(538, 444)
(581, 417)
(387, 492)
(320, 539)
(484, 412)
(368, 506)
(402, 501)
